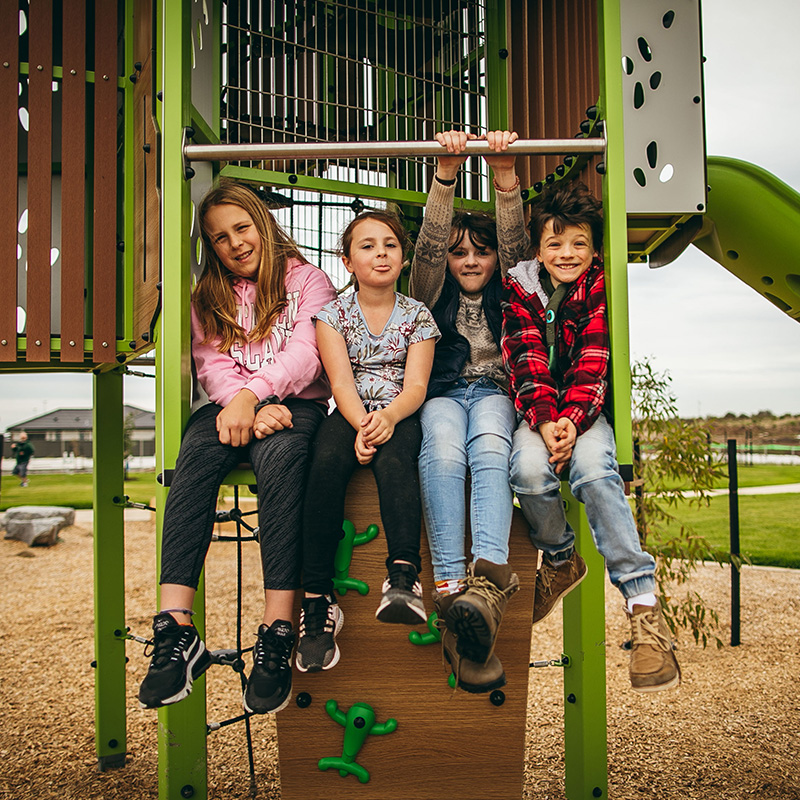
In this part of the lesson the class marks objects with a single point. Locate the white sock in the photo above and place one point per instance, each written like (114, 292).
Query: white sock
(646, 599)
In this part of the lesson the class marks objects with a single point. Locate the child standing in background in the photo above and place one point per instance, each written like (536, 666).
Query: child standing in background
(256, 356)
(377, 348)
(468, 419)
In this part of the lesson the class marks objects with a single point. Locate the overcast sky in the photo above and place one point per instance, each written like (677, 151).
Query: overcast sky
(725, 346)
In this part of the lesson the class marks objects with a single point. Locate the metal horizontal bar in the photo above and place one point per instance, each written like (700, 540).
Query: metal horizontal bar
(315, 150)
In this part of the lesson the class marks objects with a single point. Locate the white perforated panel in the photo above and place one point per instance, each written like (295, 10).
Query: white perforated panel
(663, 98)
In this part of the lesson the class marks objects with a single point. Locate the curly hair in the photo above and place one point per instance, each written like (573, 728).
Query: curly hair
(213, 297)
(567, 204)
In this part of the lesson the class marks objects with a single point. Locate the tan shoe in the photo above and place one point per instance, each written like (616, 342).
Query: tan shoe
(476, 614)
(470, 676)
(554, 581)
(653, 664)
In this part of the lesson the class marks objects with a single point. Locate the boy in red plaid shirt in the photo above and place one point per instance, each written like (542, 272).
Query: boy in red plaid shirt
(556, 350)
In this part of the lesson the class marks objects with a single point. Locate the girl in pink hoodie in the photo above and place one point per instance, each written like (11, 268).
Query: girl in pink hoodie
(255, 353)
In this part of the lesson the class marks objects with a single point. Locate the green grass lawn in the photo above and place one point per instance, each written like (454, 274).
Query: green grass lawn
(74, 491)
(760, 475)
(768, 526)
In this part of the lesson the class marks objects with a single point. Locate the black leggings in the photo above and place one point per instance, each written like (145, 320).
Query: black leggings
(280, 464)
(333, 461)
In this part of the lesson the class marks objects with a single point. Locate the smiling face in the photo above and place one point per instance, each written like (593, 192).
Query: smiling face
(566, 255)
(235, 239)
(471, 264)
(375, 255)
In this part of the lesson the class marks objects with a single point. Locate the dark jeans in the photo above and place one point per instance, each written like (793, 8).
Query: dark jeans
(280, 464)
(333, 461)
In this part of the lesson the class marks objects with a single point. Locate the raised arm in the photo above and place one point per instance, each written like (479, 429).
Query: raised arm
(430, 253)
(513, 242)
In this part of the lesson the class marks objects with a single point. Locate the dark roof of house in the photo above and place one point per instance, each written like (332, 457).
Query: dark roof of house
(80, 419)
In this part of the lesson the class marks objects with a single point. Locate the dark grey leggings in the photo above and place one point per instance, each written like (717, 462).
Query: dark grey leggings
(333, 462)
(280, 465)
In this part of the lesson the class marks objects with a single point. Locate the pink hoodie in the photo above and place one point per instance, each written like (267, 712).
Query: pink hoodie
(285, 365)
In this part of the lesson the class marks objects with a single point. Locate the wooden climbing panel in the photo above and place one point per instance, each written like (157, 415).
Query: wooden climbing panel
(447, 743)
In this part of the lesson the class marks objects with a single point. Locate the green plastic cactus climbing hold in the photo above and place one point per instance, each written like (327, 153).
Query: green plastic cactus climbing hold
(344, 555)
(434, 634)
(358, 723)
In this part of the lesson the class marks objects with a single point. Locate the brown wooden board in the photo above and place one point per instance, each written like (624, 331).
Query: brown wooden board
(9, 169)
(40, 176)
(146, 216)
(73, 181)
(447, 744)
(104, 280)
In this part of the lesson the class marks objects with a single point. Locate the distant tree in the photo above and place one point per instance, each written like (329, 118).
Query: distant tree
(676, 466)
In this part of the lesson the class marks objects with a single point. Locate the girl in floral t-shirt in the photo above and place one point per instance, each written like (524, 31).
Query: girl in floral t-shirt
(377, 349)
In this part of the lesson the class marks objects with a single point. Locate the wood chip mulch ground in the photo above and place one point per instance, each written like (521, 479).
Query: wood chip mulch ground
(731, 731)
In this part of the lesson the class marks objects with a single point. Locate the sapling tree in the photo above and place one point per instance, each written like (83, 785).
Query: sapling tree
(675, 465)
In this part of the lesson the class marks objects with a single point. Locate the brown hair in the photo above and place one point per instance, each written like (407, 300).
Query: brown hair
(214, 299)
(567, 204)
(480, 228)
(392, 221)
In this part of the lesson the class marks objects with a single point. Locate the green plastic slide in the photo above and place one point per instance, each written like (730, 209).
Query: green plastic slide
(752, 228)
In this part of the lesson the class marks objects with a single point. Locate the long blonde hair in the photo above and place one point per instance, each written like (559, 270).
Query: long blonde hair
(214, 299)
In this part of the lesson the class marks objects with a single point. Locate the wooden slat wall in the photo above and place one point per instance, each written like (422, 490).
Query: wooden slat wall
(73, 181)
(146, 204)
(9, 124)
(104, 279)
(40, 170)
(555, 76)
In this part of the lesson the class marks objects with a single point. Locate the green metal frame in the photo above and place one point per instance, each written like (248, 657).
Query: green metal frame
(182, 727)
(109, 571)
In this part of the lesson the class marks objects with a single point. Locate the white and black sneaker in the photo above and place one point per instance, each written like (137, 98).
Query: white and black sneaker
(402, 596)
(269, 686)
(321, 619)
(179, 658)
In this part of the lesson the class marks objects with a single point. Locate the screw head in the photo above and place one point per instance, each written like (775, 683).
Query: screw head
(303, 700)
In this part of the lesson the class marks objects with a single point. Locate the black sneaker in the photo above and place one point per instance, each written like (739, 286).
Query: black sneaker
(179, 658)
(269, 686)
(402, 596)
(321, 619)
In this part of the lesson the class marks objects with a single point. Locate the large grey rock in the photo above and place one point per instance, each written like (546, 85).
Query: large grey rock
(37, 525)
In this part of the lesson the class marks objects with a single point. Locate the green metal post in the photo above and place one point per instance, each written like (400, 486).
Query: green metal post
(109, 571)
(616, 225)
(182, 727)
(496, 65)
(584, 623)
(585, 741)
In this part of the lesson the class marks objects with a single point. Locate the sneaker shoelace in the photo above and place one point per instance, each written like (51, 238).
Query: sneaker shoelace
(317, 618)
(646, 630)
(404, 579)
(272, 653)
(168, 648)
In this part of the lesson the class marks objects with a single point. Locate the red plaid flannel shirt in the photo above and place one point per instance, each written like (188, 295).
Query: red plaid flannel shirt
(578, 385)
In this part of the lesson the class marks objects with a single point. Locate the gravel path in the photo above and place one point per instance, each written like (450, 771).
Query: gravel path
(730, 732)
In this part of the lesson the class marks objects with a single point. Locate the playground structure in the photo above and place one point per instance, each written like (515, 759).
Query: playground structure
(108, 114)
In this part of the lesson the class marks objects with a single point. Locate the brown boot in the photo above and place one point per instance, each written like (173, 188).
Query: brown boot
(475, 616)
(653, 664)
(554, 581)
(471, 677)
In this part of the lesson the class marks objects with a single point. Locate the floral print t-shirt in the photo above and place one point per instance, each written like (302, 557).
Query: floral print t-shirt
(379, 359)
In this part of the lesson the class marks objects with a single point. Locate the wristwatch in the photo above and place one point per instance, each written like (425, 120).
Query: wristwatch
(267, 401)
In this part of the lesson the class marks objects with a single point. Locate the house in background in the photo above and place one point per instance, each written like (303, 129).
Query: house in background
(69, 430)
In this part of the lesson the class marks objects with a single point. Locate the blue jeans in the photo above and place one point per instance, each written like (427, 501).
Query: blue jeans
(594, 480)
(467, 429)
